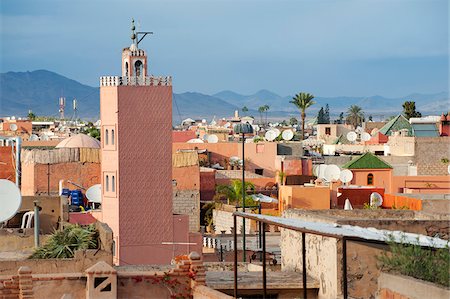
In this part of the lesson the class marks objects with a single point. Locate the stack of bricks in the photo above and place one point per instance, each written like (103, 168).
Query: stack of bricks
(9, 288)
(198, 268)
(25, 283)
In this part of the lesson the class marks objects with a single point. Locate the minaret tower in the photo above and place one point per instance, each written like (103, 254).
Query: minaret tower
(136, 130)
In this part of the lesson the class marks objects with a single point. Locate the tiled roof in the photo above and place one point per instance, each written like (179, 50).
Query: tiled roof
(396, 124)
(367, 161)
(425, 130)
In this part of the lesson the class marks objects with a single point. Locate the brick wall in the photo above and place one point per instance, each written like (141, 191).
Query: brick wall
(187, 202)
(7, 164)
(429, 152)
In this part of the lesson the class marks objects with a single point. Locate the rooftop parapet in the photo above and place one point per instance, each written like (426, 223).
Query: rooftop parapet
(133, 80)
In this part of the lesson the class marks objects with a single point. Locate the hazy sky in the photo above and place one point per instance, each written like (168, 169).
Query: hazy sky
(329, 48)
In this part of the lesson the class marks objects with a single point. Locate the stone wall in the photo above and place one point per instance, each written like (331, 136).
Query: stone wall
(290, 149)
(120, 282)
(80, 262)
(187, 202)
(405, 287)
(429, 151)
(223, 221)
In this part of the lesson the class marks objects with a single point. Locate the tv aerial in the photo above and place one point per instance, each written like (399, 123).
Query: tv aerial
(13, 127)
(212, 138)
(287, 135)
(278, 132)
(376, 200)
(346, 176)
(11, 199)
(33, 137)
(270, 135)
(365, 136)
(332, 173)
(351, 136)
(94, 193)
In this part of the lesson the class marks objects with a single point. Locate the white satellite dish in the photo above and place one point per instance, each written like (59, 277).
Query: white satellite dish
(195, 140)
(256, 128)
(332, 173)
(351, 136)
(10, 199)
(359, 129)
(365, 136)
(376, 200)
(203, 121)
(270, 135)
(33, 137)
(94, 193)
(13, 127)
(227, 125)
(205, 137)
(346, 176)
(448, 169)
(321, 171)
(278, 132)
(45, 137)
(213, 138)
(287, 135)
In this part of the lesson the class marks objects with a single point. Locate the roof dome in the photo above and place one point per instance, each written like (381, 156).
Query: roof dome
(79, 140)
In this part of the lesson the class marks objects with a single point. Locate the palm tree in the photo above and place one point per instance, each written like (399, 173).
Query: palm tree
(303, 101)
(245, 110)
(355, 115)
(266, 108)
(261, 111)
(233, 192)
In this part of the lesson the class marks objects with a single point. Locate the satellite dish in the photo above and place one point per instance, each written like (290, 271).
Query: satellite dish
(203, 121)
(346, 176)
(278, 132)
(321, 171)
(332, 173)
(205, 137)
(33, 137)
(227, 125)
(256, 128)
(270, 135)
(359, 129)
(195, 140)
(45, 137)
(212, 139)
(287, 135)
(10, 200)
(376, 200)
(365, 136)
(94, 193)
(448, 169)
(351, 136)
(13, 127)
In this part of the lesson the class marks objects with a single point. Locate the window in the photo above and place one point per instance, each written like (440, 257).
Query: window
(138, 68)
(126, 69)
(112, 136)
(107, 183)
(327, 131)
(106, 136)
(370, 179)
(113, 183)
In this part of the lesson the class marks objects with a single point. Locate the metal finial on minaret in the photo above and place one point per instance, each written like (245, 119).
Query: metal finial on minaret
(133, 33)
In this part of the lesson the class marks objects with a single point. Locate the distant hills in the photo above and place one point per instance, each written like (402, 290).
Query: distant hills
(39, 91)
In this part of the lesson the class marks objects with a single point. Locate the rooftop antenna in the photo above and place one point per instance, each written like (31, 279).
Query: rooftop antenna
(351, 136)
(287, 135)
(75, 109)
(135, 35)
(346, 176)
(62, 105)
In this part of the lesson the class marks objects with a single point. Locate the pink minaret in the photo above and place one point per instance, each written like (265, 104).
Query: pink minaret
(136, 126)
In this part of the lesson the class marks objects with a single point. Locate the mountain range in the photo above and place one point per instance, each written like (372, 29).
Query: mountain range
(40, 90)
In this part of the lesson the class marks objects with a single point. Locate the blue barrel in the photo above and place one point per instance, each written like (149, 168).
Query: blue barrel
(66, 192)
(77, 198)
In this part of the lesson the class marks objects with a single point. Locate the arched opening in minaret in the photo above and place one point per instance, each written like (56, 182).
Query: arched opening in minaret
(138, 68)
(126, 69)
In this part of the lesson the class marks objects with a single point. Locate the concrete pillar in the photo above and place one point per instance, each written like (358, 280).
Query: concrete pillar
(25, 283)
(101, 282)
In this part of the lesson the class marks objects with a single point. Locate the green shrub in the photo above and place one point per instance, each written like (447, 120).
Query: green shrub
(63, 244)
(428, 264)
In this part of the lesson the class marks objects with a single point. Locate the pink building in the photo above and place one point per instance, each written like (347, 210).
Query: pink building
(136, 118)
